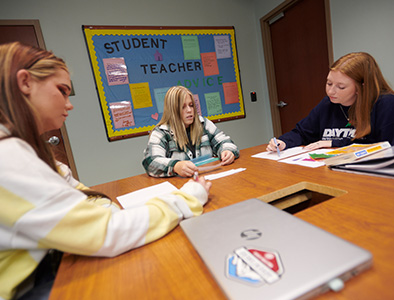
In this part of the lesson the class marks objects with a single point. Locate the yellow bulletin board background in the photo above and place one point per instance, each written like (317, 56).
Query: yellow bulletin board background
(133, 68)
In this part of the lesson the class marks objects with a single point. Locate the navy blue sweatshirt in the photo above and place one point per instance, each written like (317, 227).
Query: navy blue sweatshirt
(326, 121)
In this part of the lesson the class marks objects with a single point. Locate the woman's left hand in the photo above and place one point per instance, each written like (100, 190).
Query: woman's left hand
(227, 157)
(318, 145)
(206, 184)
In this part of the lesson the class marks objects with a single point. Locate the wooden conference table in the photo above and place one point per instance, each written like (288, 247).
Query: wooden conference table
(358, 208)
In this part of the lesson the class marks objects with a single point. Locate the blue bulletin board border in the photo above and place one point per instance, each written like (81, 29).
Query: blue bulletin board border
(133, 67)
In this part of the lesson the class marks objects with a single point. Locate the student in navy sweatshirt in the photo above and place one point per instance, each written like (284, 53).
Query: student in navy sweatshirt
(358, 108)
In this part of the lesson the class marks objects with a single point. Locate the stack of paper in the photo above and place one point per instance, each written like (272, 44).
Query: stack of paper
(140, 197)
(321, 157)
(354, 152)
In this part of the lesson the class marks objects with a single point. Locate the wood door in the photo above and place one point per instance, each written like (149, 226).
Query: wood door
(298, 53)
(29, 32)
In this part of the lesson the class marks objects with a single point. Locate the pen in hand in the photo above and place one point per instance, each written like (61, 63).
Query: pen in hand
(195, 176)
(277, 146)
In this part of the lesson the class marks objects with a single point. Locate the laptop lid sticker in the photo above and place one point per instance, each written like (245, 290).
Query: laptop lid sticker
(254, 266)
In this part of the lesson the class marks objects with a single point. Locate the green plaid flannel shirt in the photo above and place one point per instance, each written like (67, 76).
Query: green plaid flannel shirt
(162, 152)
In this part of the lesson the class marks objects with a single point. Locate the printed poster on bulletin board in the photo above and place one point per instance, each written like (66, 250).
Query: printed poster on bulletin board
(134, 67)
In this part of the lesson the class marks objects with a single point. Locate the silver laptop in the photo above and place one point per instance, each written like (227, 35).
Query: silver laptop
(256, 251)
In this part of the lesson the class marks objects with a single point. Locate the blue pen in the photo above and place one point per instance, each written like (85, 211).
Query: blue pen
(277, 146)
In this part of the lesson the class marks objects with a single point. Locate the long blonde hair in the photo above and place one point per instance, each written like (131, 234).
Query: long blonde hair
(370, 84)
(172, 116)
(16, 111)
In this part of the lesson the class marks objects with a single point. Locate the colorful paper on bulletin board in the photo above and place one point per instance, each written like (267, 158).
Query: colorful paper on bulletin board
(116, 71)
(122, 114)
(134, 67)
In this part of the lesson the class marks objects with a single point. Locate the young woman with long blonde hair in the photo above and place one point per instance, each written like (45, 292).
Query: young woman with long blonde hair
(182, 135)
(43, 206)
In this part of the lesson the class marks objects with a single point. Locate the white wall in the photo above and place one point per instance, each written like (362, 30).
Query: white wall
(97, 159)
(363, 25)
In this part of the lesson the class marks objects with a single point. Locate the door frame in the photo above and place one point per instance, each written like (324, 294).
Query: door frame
(41, 43)
(268, 55)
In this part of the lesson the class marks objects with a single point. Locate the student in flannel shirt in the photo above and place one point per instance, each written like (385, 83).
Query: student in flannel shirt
(182, 135)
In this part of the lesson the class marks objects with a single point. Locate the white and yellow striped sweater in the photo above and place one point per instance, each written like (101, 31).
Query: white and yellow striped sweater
(42, 210)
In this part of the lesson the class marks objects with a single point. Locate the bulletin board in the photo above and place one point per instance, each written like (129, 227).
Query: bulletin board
(134, 67)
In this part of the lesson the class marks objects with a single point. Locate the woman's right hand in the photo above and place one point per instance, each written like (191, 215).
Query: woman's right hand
(272, 146)
(185, 168)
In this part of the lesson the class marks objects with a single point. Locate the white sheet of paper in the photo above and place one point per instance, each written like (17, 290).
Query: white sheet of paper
(283, 154)
(223, 174)
(305, 160)
(140, 197)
